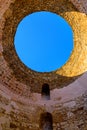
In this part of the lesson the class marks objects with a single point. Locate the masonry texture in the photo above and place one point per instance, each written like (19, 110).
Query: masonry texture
(20, 99)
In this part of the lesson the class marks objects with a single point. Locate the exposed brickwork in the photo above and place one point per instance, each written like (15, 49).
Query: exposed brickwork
(81, 5)
(20, 109)
(71, 115)
(63, 76)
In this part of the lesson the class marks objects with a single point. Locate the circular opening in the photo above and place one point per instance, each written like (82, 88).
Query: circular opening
(43, 41)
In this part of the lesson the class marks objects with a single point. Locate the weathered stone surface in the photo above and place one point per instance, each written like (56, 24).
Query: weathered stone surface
(20, 108)
(15, 71)
(18, 115)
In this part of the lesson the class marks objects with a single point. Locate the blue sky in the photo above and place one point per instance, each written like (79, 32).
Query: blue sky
(43, 41)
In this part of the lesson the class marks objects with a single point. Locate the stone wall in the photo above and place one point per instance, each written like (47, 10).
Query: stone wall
(81, 5)
(13, 71)
(17, 114)
(20, 106)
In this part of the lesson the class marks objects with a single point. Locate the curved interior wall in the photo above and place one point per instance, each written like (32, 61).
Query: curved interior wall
(20, 107)
(75, 66)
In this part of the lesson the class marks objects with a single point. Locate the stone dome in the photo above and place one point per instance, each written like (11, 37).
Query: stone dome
(21, 102)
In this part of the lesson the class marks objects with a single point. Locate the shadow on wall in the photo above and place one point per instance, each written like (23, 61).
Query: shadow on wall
(46, 121)
(45, 91)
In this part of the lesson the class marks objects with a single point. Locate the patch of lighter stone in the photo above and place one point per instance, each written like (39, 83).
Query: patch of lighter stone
(66, 94)
(63, 96)
(81, 5)
(4, 92)
(4, 6)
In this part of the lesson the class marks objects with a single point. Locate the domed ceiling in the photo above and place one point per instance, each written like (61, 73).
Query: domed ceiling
(21, 104)
(14, 72)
